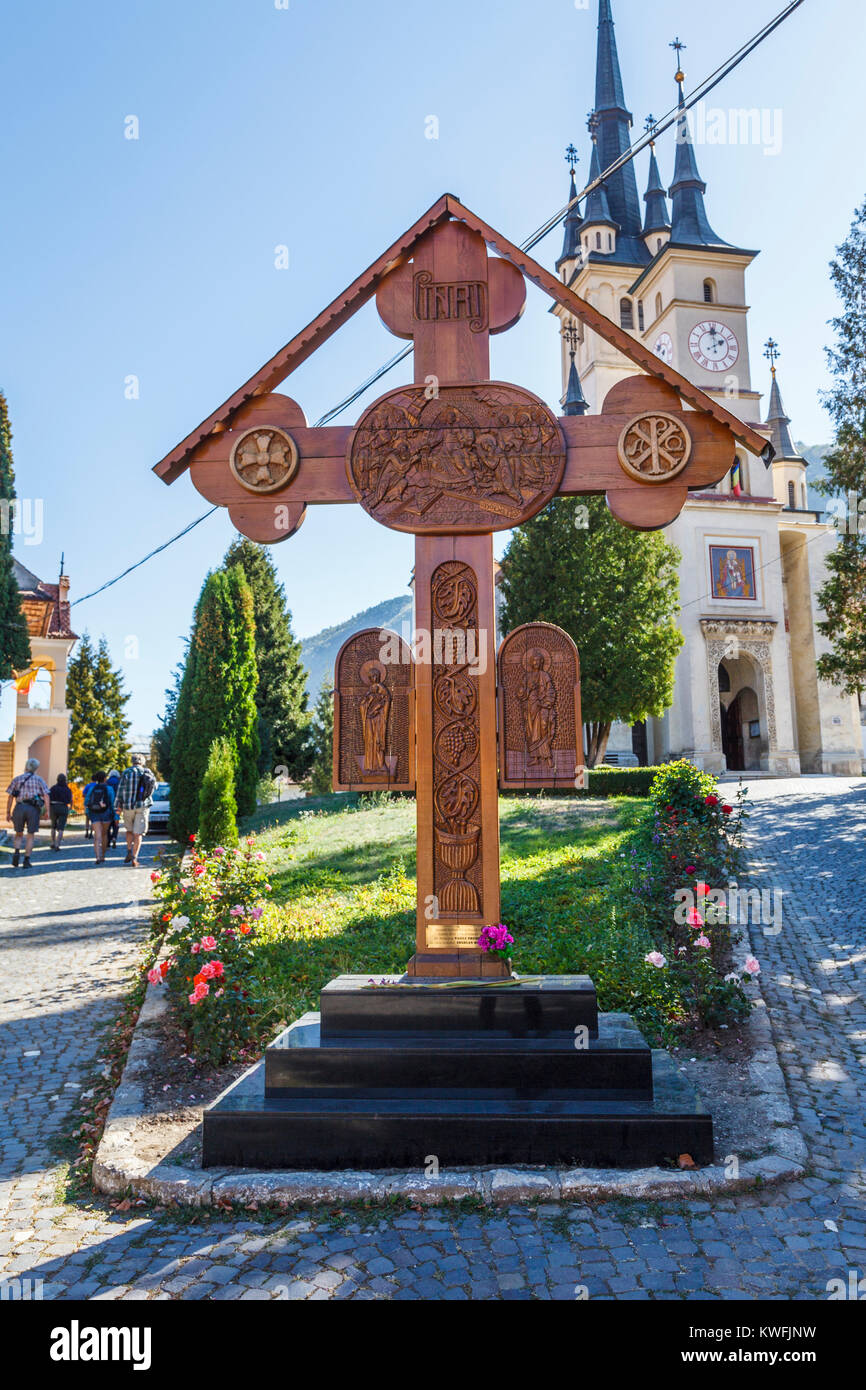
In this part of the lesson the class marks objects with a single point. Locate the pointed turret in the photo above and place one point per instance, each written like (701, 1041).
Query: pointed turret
(657, 224)
(689, 223)
(571, 240)
(778, 422)
(598, 209)
(614, 139)
(573, 402)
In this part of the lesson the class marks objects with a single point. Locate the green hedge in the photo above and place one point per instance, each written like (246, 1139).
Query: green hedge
(619, 781)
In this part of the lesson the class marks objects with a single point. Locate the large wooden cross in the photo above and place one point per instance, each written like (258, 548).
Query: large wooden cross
(452, 459)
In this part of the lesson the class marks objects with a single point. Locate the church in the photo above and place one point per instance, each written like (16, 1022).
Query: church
(747, 696)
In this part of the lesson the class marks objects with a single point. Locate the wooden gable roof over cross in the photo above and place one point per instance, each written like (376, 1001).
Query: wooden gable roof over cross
(436, 284)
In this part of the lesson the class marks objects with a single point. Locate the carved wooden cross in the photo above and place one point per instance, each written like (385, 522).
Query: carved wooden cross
(452, 459)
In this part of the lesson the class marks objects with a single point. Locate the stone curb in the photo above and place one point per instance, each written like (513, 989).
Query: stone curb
(119, 1170)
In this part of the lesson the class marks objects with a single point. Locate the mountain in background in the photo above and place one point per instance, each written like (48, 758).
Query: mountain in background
(319, 652)
(814, 454)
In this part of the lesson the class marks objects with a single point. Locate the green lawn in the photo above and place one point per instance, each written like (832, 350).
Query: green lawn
(344, 895)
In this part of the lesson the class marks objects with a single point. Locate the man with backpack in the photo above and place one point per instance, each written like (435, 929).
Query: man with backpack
(31, 796)
(134, 800)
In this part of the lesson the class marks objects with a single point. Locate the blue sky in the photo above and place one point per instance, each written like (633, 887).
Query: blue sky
(305, 127)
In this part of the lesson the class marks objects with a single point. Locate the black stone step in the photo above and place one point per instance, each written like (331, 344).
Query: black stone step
(245, 1129)
(550, 1005)
(302, 1063)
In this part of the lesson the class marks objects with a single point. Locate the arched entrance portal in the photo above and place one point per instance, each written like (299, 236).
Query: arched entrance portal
(742, 713)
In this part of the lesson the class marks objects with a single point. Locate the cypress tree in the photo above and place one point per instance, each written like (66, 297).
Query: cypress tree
(14, 639)
(217, 822)
(96, 700)
(217, 699)
(281, 696)
(322, 741)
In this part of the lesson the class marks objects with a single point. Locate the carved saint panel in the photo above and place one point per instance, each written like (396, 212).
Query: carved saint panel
(457, 877)
(471, 458)
(540, 730)
(374, 718)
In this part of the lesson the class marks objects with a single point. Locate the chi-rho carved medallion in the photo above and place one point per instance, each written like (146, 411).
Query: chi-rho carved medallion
(264, 460)
(654, 447)
(471, 458)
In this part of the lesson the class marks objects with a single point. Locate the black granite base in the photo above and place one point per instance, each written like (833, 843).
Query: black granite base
(385, 1078)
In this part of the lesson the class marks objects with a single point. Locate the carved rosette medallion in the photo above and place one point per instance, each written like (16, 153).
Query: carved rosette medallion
(457, 879)
(654, 447)
(472, 458)
(374, 734)
(540, 730)
(264, 460)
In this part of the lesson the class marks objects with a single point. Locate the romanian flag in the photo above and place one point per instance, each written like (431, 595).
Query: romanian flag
(24, 682)
(737, 479)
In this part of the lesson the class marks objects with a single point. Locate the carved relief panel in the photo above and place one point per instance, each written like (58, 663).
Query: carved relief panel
(471, 458)
(374, 716)
(540, 729)
(457, 831)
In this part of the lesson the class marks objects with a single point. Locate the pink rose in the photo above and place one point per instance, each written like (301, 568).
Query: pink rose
(236, 911)
(195, 948)
(199, 993)
(259, 856)
(694, 918)
(256, 913)
(657, 959)
(208, 943)
(703, 942)
(155, 975)
(752, 966)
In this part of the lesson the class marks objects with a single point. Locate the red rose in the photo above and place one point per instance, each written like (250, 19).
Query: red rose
(726, 810)
(711, 801)
(691, 869)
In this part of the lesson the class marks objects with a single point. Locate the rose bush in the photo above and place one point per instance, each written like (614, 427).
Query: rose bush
(209, 904)
(686, 852)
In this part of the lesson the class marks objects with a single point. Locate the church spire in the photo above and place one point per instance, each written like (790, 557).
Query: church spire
(613, 128)
(573, 402)
(690, 226)
(597, 208)
(777, 421)
(571, 240)
(656, 218)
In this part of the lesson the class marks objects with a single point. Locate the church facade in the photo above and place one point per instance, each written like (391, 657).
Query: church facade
(747, 695)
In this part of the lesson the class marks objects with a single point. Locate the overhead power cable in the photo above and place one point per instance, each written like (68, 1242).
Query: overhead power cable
(659, 128)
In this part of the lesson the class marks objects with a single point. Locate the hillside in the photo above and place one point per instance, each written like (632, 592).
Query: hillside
(319, 652)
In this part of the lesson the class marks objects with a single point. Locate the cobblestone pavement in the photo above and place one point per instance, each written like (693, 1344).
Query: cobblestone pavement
(68, 936)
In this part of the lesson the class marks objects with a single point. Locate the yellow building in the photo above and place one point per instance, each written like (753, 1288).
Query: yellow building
(41, 716)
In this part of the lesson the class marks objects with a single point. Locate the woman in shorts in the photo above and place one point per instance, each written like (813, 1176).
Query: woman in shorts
(100, 808)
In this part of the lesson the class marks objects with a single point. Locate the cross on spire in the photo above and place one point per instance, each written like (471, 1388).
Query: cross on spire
(570, 334)
(649, 126)
(572, 158)
(678, 47)
(593, 121)
(772, 352)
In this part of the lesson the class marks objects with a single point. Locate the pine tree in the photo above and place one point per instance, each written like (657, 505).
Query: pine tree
(217, 820)
(217, 699)
(322, 741)
(615, 592)
(281, 696)
(14, 639)
(96, 699)
(843, 597)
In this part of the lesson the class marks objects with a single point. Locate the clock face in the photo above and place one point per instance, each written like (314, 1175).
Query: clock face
(664, 347)
(713, 346)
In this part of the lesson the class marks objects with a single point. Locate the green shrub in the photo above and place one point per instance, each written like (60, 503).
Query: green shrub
(679, 786)
(619, 781)
(217, 816)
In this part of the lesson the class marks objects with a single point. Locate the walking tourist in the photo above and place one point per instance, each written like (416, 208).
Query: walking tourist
(88, 828)
(134, 800)
(60, 801)
(31, 797)
(100, 808)
(113, 780)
